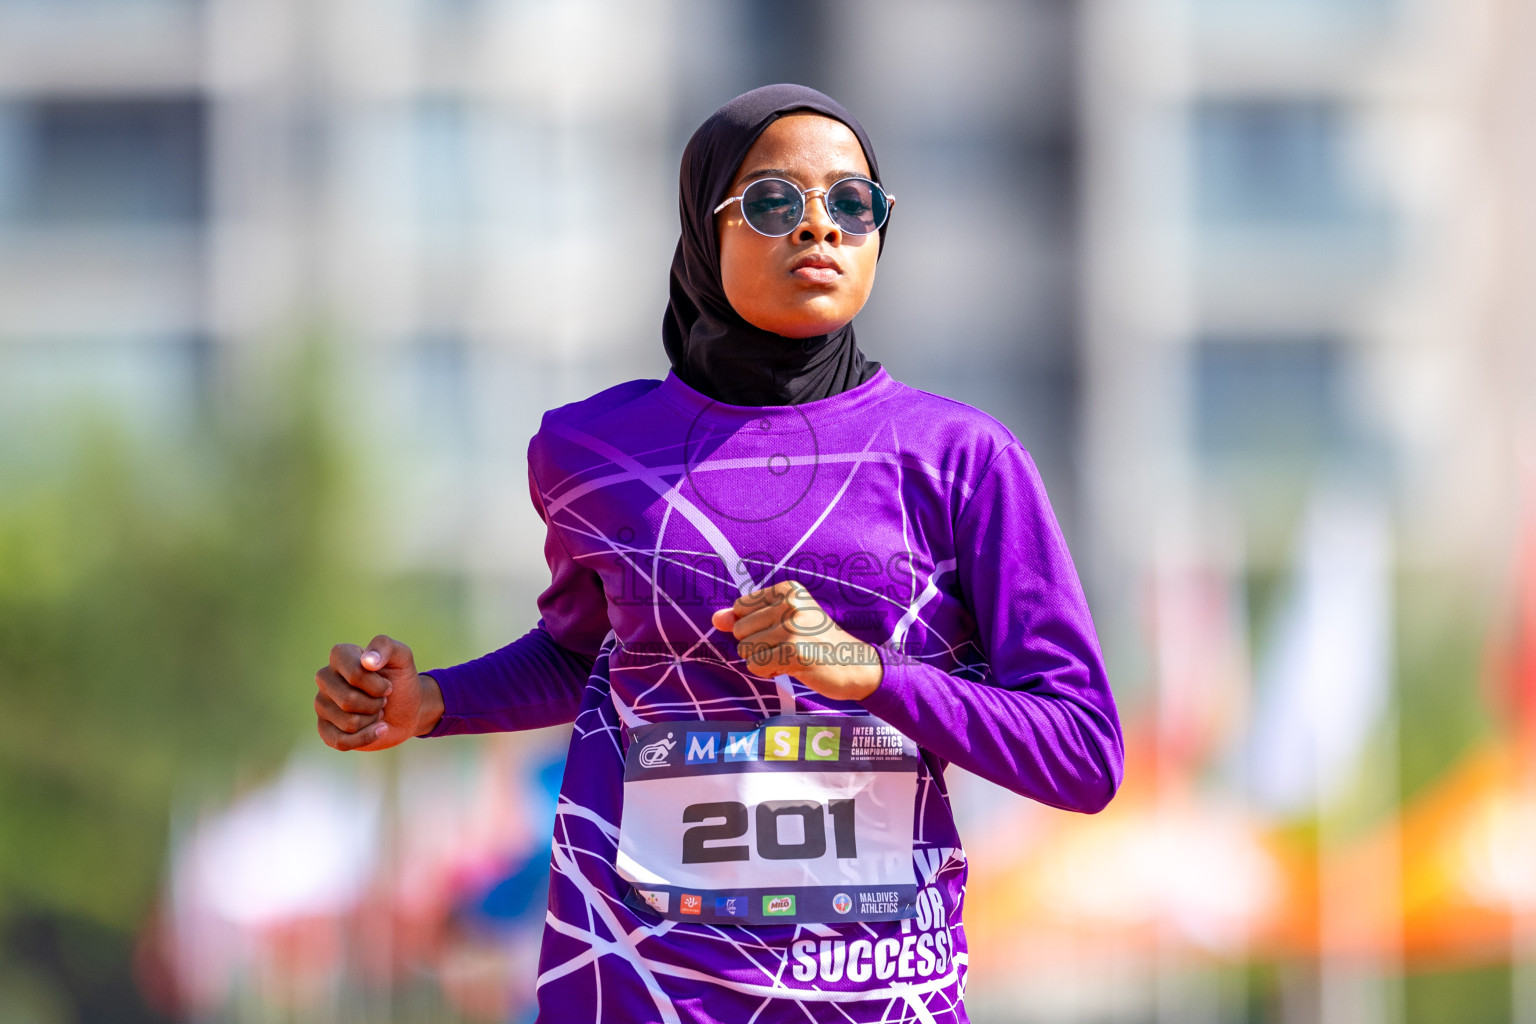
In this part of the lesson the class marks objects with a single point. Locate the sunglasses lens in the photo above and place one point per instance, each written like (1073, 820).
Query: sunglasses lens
(772, 206)
(857, 206)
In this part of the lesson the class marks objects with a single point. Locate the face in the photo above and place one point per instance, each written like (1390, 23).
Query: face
(814, 279)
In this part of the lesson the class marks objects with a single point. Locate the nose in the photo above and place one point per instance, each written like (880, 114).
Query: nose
(817, 223)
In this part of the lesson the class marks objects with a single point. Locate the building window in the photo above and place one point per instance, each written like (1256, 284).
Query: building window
(440, 368)
(1270, 161)
(444, 168)
(448, 10)
(154, 382)
(1279, 398)
(53, 6)
(102, 162)
(1312, 10)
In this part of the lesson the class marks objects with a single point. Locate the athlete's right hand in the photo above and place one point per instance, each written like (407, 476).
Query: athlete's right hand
(373, 698)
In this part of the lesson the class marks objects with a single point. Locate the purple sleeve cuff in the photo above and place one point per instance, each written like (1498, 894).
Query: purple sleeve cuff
(531, 683)
(895, 699)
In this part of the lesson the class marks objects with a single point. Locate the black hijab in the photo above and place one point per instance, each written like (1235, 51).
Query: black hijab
(713, 350)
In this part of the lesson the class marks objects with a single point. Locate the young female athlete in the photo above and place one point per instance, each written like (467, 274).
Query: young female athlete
(786, 591)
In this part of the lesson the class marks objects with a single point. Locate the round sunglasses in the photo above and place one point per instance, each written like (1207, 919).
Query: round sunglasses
(775, 207)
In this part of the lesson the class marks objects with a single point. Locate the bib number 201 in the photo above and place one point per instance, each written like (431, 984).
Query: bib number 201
(769, 813)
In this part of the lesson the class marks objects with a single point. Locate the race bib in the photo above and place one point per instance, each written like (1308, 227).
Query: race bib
(799, 818)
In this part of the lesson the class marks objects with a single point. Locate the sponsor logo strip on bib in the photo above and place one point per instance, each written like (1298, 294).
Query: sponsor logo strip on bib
(767, 906)
(796, 743)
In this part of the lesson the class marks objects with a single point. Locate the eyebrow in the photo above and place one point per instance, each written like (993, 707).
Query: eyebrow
(779, 172)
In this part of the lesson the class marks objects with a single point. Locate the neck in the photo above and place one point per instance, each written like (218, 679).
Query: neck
(756, 367)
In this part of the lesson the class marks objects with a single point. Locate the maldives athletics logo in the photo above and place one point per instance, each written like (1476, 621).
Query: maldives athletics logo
(842, 903)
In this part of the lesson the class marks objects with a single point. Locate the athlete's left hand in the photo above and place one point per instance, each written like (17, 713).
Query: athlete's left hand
(782, 630)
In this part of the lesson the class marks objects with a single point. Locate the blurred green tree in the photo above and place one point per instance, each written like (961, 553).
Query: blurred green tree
(164, 604)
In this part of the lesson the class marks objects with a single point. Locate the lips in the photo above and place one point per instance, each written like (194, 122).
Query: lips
(816, 267)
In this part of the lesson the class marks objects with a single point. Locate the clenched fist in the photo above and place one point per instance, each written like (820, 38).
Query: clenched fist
(782, 630)
(373, 698)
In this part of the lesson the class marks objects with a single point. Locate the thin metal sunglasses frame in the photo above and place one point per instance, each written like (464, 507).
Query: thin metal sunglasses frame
(805, 203)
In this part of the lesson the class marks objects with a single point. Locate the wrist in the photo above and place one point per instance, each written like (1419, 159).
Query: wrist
(431, 710)
(864, 679)
(845, 670)
(864, 668)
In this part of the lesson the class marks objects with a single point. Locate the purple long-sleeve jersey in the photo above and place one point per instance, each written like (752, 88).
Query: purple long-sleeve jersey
(921, 526)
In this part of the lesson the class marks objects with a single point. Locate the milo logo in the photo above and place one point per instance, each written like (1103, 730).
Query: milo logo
(778, 906)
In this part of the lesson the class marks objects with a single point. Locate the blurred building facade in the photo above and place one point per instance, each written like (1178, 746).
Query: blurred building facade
(435, 188)
(1297, 247)
(1299, 235)
(474, 201)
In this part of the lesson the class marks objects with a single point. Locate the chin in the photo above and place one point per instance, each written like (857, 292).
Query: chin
(803, 323)
(804, 331)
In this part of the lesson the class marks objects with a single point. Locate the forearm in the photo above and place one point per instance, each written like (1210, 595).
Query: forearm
(531, 683)
(1044, 744)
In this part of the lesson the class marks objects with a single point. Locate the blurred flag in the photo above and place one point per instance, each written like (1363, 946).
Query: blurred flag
(1326, 689)
(348, 879)
(1513, 671)
(266, 880)
(1324, 683)
(1200, 640)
